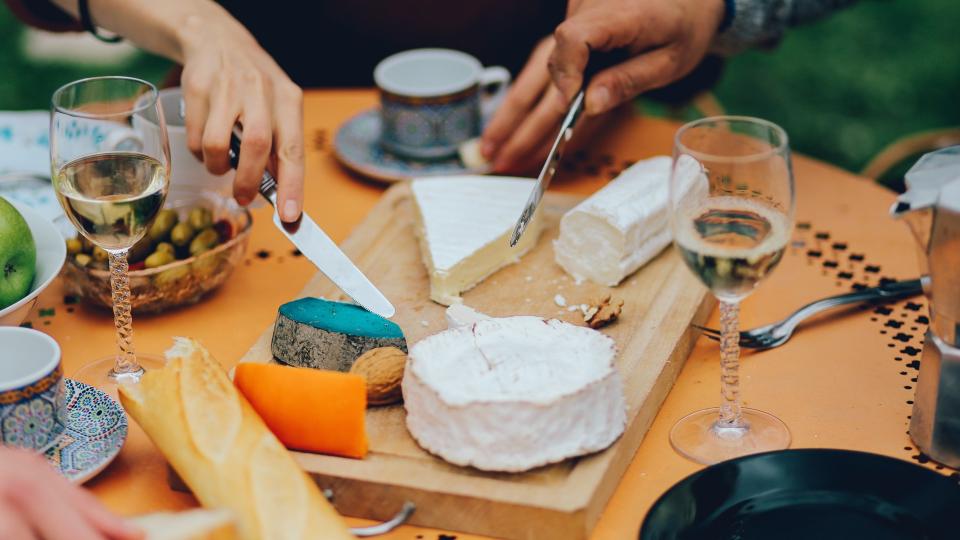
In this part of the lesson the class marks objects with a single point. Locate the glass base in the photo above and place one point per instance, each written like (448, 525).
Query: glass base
(100, 374)
(698, 437)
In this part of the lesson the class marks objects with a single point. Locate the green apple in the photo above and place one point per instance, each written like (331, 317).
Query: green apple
(18, 255)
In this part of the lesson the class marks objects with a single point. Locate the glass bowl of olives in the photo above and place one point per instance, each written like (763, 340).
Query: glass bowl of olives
(191, 249)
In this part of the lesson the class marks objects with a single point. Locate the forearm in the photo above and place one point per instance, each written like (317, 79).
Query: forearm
(763, 22)
(169, 28)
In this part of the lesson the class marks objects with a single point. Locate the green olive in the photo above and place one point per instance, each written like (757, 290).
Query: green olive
(159, 258)
(206, 266)
(74, 246)
(82, 259)
(200, 218)
(171, 276)
(100, 255)
(182, 234)
(165, 247)
(165, 221)
(204, 241)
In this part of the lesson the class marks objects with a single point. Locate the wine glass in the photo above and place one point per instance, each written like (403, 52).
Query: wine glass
(111, 167)
(732, 202)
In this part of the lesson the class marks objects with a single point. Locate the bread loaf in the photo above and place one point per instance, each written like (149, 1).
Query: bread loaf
(199, 524)
(223, 451)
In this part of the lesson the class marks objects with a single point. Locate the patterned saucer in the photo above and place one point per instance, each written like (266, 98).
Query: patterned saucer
(357, 147)
(96, 430)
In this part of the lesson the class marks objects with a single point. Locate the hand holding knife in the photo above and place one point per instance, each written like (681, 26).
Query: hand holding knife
(310, 239)
(598, 62)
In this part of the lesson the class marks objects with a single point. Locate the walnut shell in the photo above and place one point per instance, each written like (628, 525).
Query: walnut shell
(383, 369)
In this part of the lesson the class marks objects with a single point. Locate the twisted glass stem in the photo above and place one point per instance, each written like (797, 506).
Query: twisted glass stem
(730, 365)
(126, 363)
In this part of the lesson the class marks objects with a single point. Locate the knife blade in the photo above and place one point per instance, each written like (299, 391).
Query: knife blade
(323, 252)
(597, 62)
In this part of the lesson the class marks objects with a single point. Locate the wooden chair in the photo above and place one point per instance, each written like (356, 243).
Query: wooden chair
(907, 147)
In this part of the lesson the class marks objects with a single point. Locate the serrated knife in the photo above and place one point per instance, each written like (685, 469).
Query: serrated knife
(598, 62)
(310, 239)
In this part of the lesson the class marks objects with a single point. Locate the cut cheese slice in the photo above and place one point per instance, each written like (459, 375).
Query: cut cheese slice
(510, 394)
(621, 227)
(464, 225)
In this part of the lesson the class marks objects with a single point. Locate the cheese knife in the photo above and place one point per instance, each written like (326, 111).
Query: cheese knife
(310, 239)
(598, 62)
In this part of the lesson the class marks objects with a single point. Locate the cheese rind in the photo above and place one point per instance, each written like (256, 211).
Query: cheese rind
(514, 393)
(464, 225)
(623, 226)
(322, 334)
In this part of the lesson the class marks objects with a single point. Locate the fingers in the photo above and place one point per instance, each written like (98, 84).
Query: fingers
(540, 124)
(223, 114)
(523, 94)
(195, 97)
(101, 519)
(289, 153)
(254, 147)
(623, 82)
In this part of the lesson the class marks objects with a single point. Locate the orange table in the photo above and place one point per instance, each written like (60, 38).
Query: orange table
(844, 383)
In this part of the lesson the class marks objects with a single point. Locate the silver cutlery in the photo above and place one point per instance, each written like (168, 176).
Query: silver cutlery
(777, 333)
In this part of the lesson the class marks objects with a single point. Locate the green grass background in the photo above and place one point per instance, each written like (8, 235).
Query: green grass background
(844, 87)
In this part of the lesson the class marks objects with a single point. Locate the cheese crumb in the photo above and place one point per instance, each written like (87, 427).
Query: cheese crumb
(560, 300)
(573, 308)
(528, 279)
(425, 323)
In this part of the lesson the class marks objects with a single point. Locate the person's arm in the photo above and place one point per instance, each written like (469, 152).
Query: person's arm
(227, 79)
(753, 23)
(36, 502)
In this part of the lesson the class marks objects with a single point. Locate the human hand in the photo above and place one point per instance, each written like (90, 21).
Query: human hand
(228, 79)
(37, 503)
(666, 39)
(525, 125)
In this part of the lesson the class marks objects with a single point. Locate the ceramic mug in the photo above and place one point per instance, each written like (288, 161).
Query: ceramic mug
(432, 100)
(32, 408)
(185, 169)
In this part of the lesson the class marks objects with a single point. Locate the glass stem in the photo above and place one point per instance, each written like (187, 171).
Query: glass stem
(730, 365)
(126, 363)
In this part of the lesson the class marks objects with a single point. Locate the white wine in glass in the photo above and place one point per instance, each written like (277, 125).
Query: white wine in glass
(732, 203)
(110, 166)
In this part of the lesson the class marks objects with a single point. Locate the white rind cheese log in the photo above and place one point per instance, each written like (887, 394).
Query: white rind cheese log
(223, 451)
(622, 226)
(514, 393)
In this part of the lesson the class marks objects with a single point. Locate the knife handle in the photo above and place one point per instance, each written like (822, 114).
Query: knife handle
(268, 184)
(601, 60)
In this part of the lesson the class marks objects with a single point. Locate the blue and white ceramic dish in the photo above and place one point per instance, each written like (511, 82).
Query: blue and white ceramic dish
(96, 428)
(357, 147)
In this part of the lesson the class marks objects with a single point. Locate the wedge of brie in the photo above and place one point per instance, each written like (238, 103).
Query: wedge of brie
(510, 394)
(621, 227)
(464, 225)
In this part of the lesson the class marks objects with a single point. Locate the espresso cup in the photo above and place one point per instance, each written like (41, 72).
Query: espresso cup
(32, 408)
(432, 100)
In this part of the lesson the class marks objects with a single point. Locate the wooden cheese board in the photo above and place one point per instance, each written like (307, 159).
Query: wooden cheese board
(562, 501)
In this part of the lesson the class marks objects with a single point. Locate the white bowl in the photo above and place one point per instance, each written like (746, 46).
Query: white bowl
(51, 253)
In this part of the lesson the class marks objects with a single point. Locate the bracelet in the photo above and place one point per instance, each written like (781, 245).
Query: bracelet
(730, 11)
(84, 8)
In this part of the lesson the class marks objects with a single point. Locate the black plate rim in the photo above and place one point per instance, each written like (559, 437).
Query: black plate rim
(936, 477)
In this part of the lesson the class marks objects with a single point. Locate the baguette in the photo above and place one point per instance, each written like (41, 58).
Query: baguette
(199, 524)
(223, 451)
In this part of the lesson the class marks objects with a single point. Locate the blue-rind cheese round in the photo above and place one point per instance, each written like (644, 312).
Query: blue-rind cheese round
(322, 334)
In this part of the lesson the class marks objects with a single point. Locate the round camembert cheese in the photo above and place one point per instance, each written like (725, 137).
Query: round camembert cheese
(510, 394)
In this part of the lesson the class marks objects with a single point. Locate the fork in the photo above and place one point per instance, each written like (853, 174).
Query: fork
(777, 333)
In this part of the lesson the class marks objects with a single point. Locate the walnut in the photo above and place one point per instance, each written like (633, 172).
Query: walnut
(603, 312)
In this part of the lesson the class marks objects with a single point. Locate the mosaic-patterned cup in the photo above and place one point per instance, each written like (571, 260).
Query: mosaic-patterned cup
(32, 408)
(431, 100)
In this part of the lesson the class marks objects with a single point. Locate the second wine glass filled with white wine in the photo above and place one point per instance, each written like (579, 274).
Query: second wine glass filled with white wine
(732, 202)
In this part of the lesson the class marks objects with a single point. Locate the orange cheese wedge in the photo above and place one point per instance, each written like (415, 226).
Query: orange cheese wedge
(308, 409)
